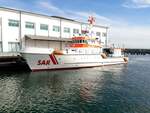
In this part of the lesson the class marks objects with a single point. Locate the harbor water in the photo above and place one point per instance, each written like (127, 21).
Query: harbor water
(109, 89)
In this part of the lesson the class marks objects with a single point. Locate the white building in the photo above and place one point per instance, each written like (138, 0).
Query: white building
(20, 29)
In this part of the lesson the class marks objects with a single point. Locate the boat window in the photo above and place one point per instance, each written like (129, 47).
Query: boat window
(98, 34)
(93, 41)
(66, 50)
(104, 34)
(73, 50)
(86, 41)
(74, 41)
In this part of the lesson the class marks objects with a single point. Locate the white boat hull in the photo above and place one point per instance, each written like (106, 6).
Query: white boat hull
(50, 61)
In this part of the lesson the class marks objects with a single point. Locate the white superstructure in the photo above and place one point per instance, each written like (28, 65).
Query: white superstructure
(21, 29)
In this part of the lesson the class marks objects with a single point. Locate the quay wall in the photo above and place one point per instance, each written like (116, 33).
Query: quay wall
(137, 51)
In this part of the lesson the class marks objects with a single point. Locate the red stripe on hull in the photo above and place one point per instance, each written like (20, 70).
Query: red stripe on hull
(55, 59)
(52, 58)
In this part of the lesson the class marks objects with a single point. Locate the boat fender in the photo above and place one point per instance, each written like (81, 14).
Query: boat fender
(103, 55)
(125, 59)
(58, 52)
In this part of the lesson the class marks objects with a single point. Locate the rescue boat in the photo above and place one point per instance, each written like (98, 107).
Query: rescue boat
(82, 52)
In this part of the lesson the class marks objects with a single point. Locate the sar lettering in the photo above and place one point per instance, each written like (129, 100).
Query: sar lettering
(43, 62)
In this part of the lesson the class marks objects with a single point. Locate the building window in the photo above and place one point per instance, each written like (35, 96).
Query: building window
(14, 46)
(43, 27)
(66, 30)
(98, 34)
(13, 23)
(29, 25)
(84, 31)
(104, 34)
(56, 28)
(0, 46)
(76, 31)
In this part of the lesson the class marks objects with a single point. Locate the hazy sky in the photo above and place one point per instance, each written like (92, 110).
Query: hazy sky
(128, 20)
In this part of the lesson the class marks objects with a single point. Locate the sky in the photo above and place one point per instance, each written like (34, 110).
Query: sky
(128, 20)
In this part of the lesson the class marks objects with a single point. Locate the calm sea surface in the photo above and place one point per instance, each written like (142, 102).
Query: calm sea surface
(110, 89)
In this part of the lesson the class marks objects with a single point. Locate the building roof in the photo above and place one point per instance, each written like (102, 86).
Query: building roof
(58, 17)
(46, 38)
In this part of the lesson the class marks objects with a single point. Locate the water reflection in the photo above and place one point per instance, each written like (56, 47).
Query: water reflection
(58, 91)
